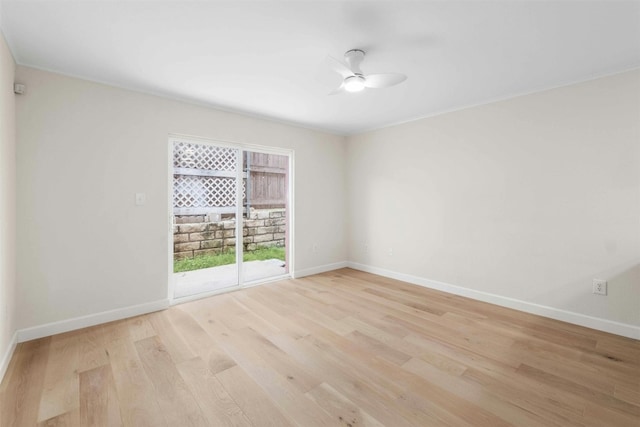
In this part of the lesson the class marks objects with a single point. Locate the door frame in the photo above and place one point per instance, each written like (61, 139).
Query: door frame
(290, 215)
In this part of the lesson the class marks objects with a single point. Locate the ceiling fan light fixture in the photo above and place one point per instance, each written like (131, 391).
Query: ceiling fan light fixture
(354, 83)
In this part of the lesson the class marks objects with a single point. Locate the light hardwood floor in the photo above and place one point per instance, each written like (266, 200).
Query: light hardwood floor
(343, 348)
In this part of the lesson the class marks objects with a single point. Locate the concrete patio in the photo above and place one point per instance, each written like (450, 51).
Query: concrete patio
(216, 278)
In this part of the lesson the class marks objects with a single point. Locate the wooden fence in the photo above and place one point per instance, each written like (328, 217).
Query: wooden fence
(267, 180)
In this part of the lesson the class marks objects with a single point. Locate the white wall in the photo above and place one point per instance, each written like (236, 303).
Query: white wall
(85, 149)
(529, 198)
(7, 204)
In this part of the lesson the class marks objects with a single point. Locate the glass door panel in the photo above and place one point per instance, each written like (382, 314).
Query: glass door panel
(265, 216)
(205, 210)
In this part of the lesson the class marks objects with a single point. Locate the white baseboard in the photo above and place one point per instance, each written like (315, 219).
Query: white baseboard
(6, 358)
(319, 269)
(122, 313)
(67, 325)
(597, 323)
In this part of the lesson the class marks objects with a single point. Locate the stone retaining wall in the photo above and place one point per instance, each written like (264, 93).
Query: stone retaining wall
(264, 228)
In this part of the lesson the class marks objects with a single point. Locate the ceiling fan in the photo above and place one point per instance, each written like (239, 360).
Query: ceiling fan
(354, 80)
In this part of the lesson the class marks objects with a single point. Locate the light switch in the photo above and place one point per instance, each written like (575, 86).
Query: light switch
(141, 198)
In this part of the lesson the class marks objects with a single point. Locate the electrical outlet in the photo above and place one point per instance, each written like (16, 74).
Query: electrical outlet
(390, 251)
(315, 247)
(599, 287)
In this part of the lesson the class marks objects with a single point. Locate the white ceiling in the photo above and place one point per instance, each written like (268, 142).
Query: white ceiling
(265, 57)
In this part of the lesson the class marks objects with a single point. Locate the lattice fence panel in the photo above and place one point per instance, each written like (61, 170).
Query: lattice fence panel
(195, 191)
(191, 191)
(207, 157)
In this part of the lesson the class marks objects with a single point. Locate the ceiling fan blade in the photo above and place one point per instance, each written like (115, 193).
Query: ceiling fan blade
(339, 89)
(327, 79)
(377, 81)
(338, 66)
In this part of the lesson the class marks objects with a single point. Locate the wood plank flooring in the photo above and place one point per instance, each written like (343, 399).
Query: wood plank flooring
(344, 348)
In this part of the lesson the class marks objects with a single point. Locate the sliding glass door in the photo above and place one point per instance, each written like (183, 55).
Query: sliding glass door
(230, 219)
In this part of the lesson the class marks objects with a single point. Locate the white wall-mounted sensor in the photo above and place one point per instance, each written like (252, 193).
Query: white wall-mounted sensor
(141, 199)
(18, 88)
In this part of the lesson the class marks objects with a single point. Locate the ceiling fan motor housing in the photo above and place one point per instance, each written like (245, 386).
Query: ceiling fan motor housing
(354, 57)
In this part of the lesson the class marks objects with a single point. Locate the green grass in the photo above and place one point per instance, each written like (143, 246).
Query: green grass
(206, 261)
